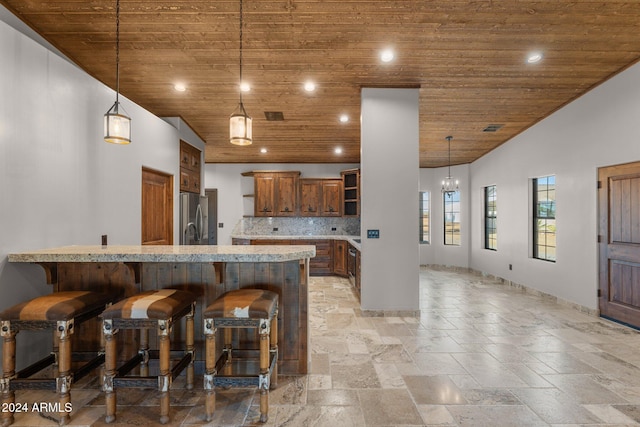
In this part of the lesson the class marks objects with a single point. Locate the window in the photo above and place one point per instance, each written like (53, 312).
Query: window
(490, 218)
(424, 217)
(451, 202)
(544, 218)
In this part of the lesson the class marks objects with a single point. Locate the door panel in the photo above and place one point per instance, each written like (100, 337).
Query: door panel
(619, 247)
(157, 208)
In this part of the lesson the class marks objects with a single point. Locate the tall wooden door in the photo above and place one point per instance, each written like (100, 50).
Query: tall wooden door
(157, 208)
(619, 247)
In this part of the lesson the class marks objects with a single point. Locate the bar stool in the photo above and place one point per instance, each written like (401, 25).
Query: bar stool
(243, 308)
(157, 309)
(60, 312)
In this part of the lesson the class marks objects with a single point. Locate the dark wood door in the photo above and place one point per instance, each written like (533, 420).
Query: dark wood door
(157, 208)
(619, 247)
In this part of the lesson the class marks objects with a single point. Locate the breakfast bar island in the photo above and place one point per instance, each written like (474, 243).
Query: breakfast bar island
(206, 271)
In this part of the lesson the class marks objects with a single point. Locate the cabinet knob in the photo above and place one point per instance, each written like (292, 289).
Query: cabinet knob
(264, 209)
(330, 208)
(286, 208)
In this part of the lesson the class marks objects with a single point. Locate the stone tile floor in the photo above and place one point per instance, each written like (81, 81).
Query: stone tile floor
(481, 354)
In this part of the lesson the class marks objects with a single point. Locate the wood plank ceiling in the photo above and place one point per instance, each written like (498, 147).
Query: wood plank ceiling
(467, 57)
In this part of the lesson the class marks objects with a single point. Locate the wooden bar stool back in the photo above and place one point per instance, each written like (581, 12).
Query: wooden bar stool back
(157, 309)
(60, 312)
(243, 308)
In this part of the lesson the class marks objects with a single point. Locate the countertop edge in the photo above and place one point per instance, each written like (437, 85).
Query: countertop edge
(135, 254)
(348, 238)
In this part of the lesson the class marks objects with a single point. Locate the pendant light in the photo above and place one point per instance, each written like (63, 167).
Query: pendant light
(240, 132)
(117, 125)
(449, 185)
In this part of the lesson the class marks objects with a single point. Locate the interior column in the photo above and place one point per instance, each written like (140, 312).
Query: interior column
(389, 199)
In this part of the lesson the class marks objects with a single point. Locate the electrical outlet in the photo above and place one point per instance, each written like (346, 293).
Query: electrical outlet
(510, 266)
(220, 225)
(104, 240)
(373, 234)
(275, 228)
(333, 229)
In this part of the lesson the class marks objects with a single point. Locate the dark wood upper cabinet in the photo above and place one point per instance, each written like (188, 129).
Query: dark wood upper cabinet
(276, 193)
(351, 182)
(287, 194)
(320, 197)
(331, 197)
(310, 190)
(265, 188)
(190, 168)
(284, 193)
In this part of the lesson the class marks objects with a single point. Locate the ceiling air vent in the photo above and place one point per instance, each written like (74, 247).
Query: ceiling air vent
(274, 116)
(492, 128)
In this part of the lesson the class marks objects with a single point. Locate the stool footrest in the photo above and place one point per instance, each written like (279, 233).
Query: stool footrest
(33, 384)
(243, 370)
(181, 365)
(147, 382)
(136, 382)
(36, 367)
(85, 369)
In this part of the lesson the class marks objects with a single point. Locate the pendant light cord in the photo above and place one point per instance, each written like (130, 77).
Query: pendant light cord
(240, 86)
(117, 50)
(449, 139)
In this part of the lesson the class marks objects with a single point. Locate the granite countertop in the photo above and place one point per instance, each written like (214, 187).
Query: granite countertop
(349, 238)
(167, 253)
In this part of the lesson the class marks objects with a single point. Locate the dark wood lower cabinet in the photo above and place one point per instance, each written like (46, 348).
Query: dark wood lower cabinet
(322, 263)
(340, 254)
(331, 255)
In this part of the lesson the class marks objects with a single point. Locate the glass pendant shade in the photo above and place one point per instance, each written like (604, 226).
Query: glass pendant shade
(450, 185)
(117, 126)
(240, 129)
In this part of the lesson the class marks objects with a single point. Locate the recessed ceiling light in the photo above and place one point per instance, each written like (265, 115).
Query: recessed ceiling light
(534, 57)
(309, 86)
(344, 118)
(179, 87)
(245, 87)
(263, 150)
(338, 150)
(387, 55)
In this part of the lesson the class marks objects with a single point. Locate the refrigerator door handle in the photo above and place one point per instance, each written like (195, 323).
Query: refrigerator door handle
(199, 224)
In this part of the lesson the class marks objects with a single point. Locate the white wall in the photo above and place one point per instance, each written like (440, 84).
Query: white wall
(60, 184)
(436, 252)
(389, 182)
(601, 128)
(232, 185)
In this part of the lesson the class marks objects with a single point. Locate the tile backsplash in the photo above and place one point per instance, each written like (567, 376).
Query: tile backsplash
(297, 226)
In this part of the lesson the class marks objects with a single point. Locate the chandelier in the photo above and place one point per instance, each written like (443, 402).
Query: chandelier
(449, 185)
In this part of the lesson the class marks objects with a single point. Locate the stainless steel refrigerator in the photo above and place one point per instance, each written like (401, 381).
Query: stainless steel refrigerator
(193, 219)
